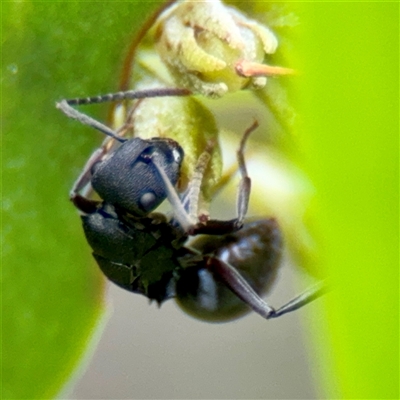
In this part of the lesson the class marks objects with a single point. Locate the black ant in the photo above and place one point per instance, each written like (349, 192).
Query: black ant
(217, 276)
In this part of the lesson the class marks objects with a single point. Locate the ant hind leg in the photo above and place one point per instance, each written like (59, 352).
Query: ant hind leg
(231, 277)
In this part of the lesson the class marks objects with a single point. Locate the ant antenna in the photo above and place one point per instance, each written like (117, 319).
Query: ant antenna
(65, 105)
(130, 95)
(86, 120)
(180, 214)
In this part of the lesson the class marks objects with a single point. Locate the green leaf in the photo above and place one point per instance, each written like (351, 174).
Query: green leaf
(350, 93)
(52, 297)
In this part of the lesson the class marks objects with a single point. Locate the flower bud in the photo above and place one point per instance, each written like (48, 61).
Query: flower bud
(202, 42)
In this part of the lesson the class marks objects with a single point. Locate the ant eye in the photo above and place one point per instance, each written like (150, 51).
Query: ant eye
(177, 155)
(148, 201)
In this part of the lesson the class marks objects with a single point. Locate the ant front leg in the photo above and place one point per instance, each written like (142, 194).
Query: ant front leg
(218, 227)
(245, 182)
(231, 277)
(82, 201)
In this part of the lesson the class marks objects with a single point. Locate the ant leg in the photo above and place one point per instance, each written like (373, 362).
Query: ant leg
(217, 227)
(231, 277)
(85, 176)
(245, 182)
(235, 282)
(186, 209)
(82, 190)
(192, 195)
(309, 295)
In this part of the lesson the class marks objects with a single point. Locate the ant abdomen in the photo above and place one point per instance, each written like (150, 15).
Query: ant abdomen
(254, 252)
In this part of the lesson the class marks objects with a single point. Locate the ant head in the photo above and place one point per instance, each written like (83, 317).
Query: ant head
(129, 178)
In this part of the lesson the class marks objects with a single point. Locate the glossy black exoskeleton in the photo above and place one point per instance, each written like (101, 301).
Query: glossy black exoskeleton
(217, 276)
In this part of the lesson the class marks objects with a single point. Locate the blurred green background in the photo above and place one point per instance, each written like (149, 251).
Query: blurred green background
(347, 138)
(350, 140)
